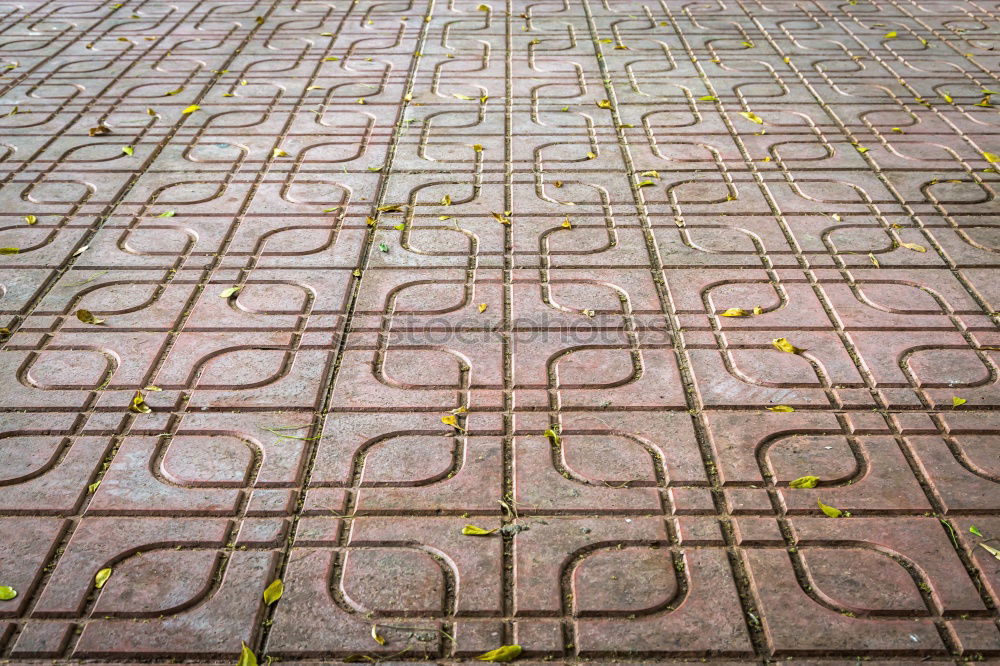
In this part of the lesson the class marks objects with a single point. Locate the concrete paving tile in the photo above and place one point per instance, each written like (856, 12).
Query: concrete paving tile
(469, 321)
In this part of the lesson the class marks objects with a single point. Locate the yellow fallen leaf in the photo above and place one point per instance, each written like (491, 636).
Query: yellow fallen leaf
(829, 510)
(100, 130)
(10, 250)
(552, 436)
(138, 404)
(804, 482)
(465, 97)
(991, 550)
(92, 488)
(646, 183)
(247, 657)
(757, 310)
(375, 636)
(558, 183)
(7, 593)
(174, 92)
(472, 530)
(483, 8)
(482, 307)
(861, 149)
(452, 420)
(278, 152)
(446, 200)
(604, 104)
(782, 344)
(273, 591)
(913, 246)
(227, 293)
(191, 109)
(752, 117)
(947, 98)
(992, 158)
(128, 150)
(708, 98)
(891, 35)
(371, 221)
(478, 147)
(30, 219)
(502, 219)
(460, 410)
(505, 653)
(873, 260)
(567, 224)
(957, 402)
(102, 577)
(735, 312)
(591, 155)
(781, 408)
(87, 317)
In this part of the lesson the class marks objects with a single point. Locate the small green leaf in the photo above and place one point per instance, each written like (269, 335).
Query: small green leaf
(829, 510)
(957, 402)
(505, 653)
(273, 591)
(247, 657)
(128, 150)
(102, 577)
(7, 593)
(9, 250)
(975, 530)
(804, 482)
(167, 213)
(383, 247)
(552, 436)
(92, 488)
(87, 317)
(227, 293)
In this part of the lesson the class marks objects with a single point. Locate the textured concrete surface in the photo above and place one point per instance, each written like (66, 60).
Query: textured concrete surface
(382, 269)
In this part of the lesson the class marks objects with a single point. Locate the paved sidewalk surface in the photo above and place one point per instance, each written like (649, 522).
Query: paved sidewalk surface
(688, 306)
